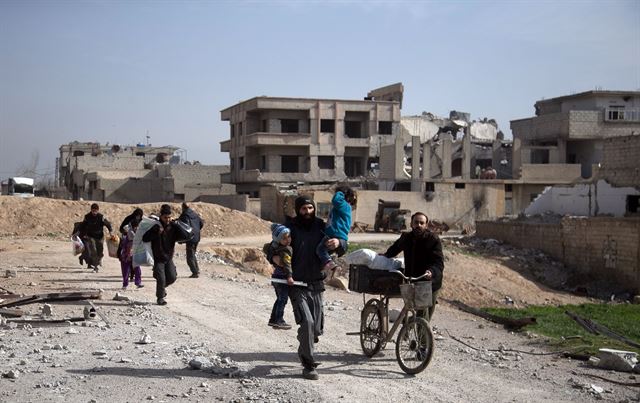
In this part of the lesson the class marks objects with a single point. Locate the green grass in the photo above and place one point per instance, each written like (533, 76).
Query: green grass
(355, 246)
(552, 322)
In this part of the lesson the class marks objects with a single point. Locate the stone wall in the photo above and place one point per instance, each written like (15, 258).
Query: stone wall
(621, 161)
(604, 248)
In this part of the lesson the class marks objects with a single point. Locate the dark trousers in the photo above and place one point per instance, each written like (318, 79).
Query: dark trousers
(192, 260)
(165, 275)
(282, 295)
(99, 251)
(307, 309)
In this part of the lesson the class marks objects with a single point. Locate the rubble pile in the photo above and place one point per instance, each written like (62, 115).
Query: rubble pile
(54, 218)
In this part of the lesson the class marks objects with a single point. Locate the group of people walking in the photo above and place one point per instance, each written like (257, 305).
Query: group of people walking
(162, 237)
(300, 251)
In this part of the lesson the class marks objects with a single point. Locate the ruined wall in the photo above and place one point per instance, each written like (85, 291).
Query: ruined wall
(551, 172)
(458, 207)
(621, 161)
(595, 247)
(235, 202)
(583, 200)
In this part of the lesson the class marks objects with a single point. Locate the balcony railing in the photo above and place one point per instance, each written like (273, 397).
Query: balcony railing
(622, 114)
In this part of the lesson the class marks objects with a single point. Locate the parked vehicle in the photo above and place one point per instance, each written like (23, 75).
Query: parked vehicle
(391, 217)
(18, 186)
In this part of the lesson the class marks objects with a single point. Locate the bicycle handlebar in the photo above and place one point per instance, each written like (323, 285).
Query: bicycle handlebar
(409, 279)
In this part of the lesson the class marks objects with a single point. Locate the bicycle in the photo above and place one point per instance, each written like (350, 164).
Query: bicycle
(414, 344)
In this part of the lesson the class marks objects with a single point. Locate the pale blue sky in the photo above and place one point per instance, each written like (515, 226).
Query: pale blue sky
(110, 71)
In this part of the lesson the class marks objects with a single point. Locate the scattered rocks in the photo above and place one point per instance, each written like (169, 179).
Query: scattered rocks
(11, 273)
(46, 310)
(12, 374)
(120, 297)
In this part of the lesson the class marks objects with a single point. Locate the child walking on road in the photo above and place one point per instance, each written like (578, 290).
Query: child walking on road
(281, 252)
(125, 256)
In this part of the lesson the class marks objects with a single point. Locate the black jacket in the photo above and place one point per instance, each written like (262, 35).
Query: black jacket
(93, 225)
(162, 244)
(305, 264)
(196, 223)
(421, 253)
(128, 220)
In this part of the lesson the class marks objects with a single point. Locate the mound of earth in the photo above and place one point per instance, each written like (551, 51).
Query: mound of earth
(55, 218)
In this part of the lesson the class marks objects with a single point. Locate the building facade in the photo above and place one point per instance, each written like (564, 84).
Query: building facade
(565, 140)
(291, 140)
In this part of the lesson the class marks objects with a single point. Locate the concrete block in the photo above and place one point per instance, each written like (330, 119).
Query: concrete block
(616, 360)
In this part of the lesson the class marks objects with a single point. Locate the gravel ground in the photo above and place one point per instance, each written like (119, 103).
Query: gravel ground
(211, 343)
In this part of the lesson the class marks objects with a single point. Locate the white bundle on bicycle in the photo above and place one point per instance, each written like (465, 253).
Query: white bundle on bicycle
(142, 253)
(369, 258)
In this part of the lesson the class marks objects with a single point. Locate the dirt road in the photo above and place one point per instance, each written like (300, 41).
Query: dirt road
(222, 317)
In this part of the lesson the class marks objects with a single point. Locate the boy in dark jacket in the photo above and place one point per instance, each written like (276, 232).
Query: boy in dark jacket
(163, 242)
(92, 225)
(280, 253)
(422, 255)
(196, 223)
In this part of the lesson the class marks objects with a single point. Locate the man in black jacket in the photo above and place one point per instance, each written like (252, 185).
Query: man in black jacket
(192, 218)
(306, 232)
(92, 225)
(422, 254)
(163, 242)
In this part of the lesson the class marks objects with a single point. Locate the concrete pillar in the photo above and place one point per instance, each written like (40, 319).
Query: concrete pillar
(562, 151)
(445, 155)
(426, 161)
(466, 156)
(416, 183)
(496, 153)
(516, 158)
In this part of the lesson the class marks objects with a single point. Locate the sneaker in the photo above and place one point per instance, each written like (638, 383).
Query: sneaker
(316, 339)
(272, 324)
(282, 326)
(140, 285)
(124, 288)
(194, 275)
(161, 301)
(310, 373)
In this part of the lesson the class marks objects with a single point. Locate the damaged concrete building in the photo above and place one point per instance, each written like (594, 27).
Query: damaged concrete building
(135, 174)
(289, 140)
(585, 148)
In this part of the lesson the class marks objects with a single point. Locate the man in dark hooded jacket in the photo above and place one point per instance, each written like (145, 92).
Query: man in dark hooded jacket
(306, 232)
(163, 239)
(92, 225)
(134, 217)
(196, 223)
(422, 251)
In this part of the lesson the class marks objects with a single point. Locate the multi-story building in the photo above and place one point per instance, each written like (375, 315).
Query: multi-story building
(564, 141)
(289, 140)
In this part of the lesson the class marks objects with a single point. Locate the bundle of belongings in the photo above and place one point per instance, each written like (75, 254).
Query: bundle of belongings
(369, 258)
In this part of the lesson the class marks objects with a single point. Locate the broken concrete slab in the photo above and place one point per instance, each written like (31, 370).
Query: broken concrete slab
(616, 360)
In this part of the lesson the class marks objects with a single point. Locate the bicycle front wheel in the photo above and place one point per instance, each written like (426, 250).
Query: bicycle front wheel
(414, 346)
(371, 329)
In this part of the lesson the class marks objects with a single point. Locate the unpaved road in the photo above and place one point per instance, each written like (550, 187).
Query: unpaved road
(224, 313)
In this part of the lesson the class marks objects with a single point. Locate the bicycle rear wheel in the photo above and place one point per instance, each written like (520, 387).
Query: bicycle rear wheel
(371, 328)
(414, 346)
